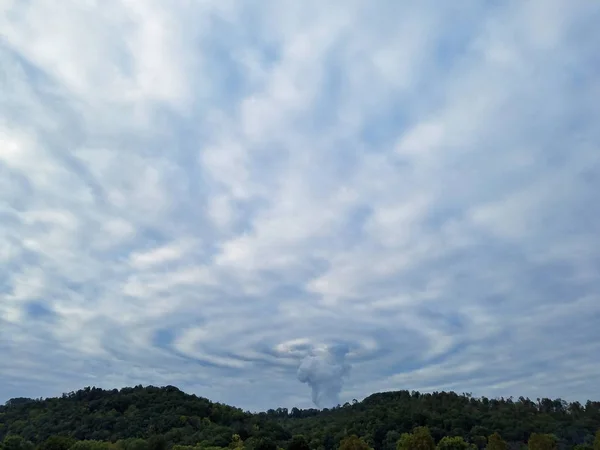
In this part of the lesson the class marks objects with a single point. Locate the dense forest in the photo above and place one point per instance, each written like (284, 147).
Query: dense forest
(152, 418)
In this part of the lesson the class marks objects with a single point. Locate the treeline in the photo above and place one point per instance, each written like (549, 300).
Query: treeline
(151, 418)
(419, 439)
(381, 419)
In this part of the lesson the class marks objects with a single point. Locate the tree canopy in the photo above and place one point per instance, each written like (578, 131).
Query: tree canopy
(153, 418)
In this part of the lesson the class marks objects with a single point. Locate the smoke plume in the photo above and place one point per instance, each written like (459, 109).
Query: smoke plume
(324, 371)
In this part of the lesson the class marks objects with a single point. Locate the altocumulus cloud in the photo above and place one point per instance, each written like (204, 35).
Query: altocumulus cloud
(207, 194)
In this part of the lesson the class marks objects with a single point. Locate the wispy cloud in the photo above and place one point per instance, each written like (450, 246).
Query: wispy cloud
(203, 193)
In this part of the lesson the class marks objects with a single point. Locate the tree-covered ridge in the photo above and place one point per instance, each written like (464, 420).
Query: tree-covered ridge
(382, 418)
(97, 414)
(151, 418)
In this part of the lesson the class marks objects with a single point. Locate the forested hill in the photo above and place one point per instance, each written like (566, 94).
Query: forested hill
(151, 418)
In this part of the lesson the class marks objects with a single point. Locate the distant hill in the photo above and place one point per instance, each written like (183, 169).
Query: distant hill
(173, 417)
(98, 414)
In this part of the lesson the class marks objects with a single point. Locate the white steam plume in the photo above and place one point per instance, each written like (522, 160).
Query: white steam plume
(324, 371)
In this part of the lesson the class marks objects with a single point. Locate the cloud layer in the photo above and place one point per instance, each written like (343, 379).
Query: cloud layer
(202, 193)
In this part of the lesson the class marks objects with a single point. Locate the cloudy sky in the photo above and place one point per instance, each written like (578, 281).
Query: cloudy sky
(203, 192)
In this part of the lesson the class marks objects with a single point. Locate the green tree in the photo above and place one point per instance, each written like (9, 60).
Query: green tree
(236, 442)
(353, 442)
(391, 438)
(405, 442)
(298, 442)
(265, 444)
(132, 444)
(539, 441)
(419, 439)
(478, 430)
(194, 422)
(454, 443)
(91, 445)
(157, 442)
(16, 442)
(58, 443)
(479, 441)
(597, 441)
(495, 442)
(13, 442)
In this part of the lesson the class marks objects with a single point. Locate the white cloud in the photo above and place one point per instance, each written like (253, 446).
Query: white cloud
(198, 193)
(160, 255)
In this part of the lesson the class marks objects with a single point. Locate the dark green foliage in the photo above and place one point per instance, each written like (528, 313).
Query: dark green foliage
(419, 439)
(57, 443)
(298, 442)
(92, 445)
(495, 442)
(538, 441)
(139, 412)
(236, 442)
(265, 444)
(133, 444)
(15, 442)
(454, 443)
(353, 443)
(480, 442)
(151, 418)
(450, 414)
(157, 442)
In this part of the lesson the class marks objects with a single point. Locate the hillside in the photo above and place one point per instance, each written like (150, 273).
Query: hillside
(167, 416)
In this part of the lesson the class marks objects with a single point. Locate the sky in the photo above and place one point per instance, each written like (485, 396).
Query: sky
(227, 196)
